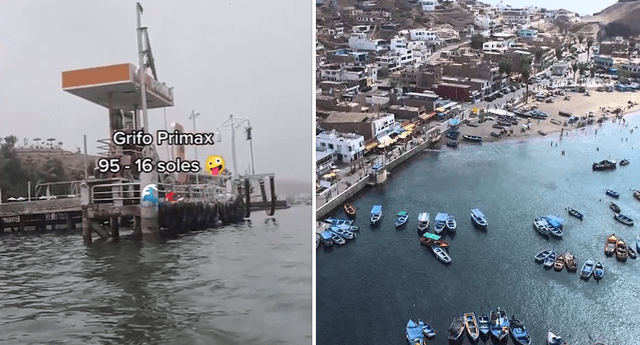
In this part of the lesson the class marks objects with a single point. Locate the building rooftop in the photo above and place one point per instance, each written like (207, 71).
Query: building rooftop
(339, 117)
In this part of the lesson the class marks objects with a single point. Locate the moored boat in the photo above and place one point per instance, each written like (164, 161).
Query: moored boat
(570, 262)
(347, 235)
(484, 326)
(632, 253)
(478, 218)
(441, 254)
(553, 339)
(451, 223)
(428, 239)
(427, 330)
(423, 221)
(615, 208)
(452, 143)
(604, 165)
(519, 333)
(638, 244)
(543, 255)
(623, 219)
(558, 265)
(541, 226)
(549, 260)
(575, 213)
(414, 333)
(472, 326)
(456, 328)
(325, 238)
(439, 222)
(612, 193)
(598, 271)
(334, 221)
(636, 194)
(624, 162)
(376, 214)
(587, 269)
(474, 138)
(610, 245)
(499, 324)
(337, 239)
(554, 227)
(349, 210)
(621, 250)
(401, 218)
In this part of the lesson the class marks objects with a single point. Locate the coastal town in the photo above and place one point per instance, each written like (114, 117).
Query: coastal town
(394, 80)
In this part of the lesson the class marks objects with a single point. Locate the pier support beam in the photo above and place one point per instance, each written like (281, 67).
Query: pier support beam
(115, 227)
(21, 224)
(86, 228)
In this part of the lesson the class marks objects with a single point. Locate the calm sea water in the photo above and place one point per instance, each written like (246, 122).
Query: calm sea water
(245, 284)
(369, 288)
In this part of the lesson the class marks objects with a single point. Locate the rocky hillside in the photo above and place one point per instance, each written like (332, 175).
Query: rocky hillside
(619, 19)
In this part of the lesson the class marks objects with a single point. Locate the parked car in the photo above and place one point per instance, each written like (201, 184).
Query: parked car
(498, 94)
(488, 98)
(505, 91)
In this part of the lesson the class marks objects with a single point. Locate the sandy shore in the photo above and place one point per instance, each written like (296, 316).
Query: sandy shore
(579, 105)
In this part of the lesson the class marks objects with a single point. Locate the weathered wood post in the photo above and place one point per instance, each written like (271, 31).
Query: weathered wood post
(85, 200)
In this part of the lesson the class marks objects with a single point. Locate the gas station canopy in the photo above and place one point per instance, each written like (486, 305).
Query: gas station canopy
(116, 87)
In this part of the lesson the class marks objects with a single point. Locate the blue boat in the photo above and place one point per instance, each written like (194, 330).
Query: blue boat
(478, 218)
(334, 221)
(376, 214)
(351, 228)
(427, 330)
(440, 222)
(623, 219)
(325, 238)
(598, 271)
(612, 193)
(549, 260)
(414, 333)
(401, 218)
(337, 239)
(484, 325)
(554, 224)
(347, 235)
(638, 244)
(575, 213)
(519, 333)
(499, 324)
(587, 269)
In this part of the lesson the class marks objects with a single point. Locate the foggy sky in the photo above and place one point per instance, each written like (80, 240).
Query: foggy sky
(582, 7)
(251, 59)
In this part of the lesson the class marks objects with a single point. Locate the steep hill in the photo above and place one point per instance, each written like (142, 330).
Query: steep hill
(619, 19)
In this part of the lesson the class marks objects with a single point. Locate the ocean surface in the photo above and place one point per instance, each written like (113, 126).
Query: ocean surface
(244, 284)
(369, 288)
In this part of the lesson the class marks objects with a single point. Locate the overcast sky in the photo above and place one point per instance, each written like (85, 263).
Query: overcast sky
(247, 58)
(580, 6)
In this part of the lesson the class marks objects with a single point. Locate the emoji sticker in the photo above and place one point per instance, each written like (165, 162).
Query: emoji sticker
(214, 165)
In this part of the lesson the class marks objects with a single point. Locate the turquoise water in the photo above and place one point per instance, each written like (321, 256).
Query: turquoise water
(369, 288)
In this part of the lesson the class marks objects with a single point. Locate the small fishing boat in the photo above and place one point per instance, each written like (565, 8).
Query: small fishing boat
(441, 254)
(587, 269)
(428, 239)
(325, 238)
(614, 207)
(452, 143)
(456, 329)
(636, 194)
(494, 134)
(612, 193)
(543, 255)
(472, 326)
(624, 162)
(553, 339)
(558, 265)
(623, 219)
(542, 132)
(499, 324)
(376, 214)
(414, 333)
(598, 271)
(484, 326)
(632, 253)
(540, 224)
(519, 333)
(555, 231)
(451, 223)
(575, 213)
(638, 244)
(334, 221)
(610, 245)
(474, 138)
(401, 218)
(604, 165)
(478, 218)
(570, 262)
(621, 250)
(550, 260)
(427, 330)
(423, 221)
(337, 239)
(349, 210)
(440, 222)
(347, 235)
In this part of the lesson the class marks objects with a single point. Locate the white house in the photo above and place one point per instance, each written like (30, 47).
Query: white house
(345, 147)
(388, 63)
(483, 21)
(515, 17)
(361, 41)
(426, 35)
(495, 46)
(427, 5)
(335, 72)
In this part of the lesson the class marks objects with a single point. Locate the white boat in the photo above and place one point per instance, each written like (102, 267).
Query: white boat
(376, 214)
(440, 222)
(623, 219)
(451, 223)
(540, 225)
(478, 218)
(441, 254)
(423, 221)
(553, 339)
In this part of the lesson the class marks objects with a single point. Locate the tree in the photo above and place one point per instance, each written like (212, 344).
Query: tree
(559, 54)
(505, 66)
(525, 71)
(592, 71)
(623, 76)
(477, 41)
(589, 44)
(582, 67)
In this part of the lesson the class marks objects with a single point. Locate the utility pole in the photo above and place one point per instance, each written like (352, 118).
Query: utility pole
(233, 124)
(193, 116)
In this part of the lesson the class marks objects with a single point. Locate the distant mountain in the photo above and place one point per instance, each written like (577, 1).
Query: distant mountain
(619, 19)
(291, 189)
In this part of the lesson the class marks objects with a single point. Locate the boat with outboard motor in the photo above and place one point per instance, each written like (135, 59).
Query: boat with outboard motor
(499, 324)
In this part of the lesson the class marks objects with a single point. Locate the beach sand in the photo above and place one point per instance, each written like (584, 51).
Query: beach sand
(579, 105)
